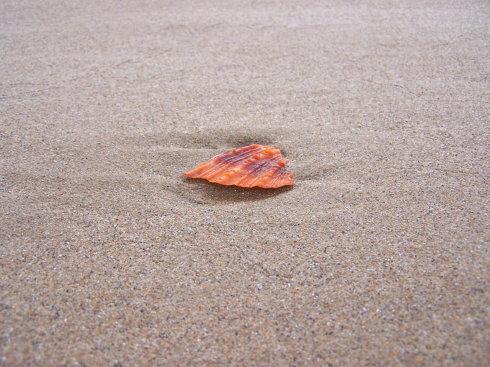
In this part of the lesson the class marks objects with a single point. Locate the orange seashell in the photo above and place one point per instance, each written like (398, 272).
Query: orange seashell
(251, 166)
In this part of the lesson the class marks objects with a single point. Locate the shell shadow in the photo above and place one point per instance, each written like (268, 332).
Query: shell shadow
(247, 139)
(211, 193)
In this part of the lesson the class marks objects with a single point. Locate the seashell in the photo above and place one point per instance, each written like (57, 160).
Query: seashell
(251, 166)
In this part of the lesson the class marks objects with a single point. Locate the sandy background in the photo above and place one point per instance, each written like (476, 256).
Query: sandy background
(378, 256)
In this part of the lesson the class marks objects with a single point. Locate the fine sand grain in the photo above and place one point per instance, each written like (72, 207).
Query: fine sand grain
(378, 256)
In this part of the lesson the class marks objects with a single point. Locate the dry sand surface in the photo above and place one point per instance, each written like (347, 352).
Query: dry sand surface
(378, 256)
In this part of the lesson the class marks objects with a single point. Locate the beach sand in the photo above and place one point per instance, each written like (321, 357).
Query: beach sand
(377, 256)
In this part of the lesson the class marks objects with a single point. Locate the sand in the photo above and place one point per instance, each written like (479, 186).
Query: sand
(378, 255)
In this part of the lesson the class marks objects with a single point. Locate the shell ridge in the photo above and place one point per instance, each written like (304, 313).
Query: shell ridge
(240, 152)
(250, 166)
(207, 166)
(256, 170)
(226, 164)
(278, 177)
